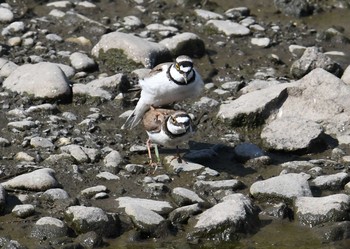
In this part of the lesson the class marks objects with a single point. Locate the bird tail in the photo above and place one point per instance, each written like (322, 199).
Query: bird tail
(135, 117)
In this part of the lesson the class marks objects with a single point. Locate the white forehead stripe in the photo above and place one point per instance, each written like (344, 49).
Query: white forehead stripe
(182, 119)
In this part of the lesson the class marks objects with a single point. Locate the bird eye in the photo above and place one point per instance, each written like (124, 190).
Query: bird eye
(177, 66)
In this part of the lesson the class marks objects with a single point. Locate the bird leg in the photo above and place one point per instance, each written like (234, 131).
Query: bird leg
(151, 163)
(178, 156)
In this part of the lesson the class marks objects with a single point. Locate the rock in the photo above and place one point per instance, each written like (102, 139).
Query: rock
(207, 15)
(331, 182)
(330, 110)
(48, 108)
(312, 211)
(183, 196)
(55, 194)
(107, 176)
(229, 28)
(346, 76)
(297, 166)
(160, 207)
(211, 186)
(134, 168)
(132, 22)
(182, 214)
(313, 58)
(184, 44)
(90, 91)
(2, 199)
(145, 219)
(183, 166)
(246, 151)
(90, 192)
(227, 220)
(85, 219)
(333, 231)
(49, 228)
(112, 162)
(6, 15)
(111, 82)
(4, 142)
(22, 125)
(205, 103)
(82, 62)
(6, 67)
(137, 49)
(42, 80)
(283, 187)
(296, 8)
(22, 156)
(309, 135)
(13, 28)
(261, 42)
(38, 180)
(23, 211)
(296, 50)
(90, 240)
(41, 142)
(238, 12)
(254, 107)
(81, 154)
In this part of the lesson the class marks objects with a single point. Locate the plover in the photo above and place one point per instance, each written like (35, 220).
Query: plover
(166, 127)
(166, 83)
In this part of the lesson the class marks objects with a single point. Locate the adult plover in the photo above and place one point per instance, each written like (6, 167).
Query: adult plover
(166, 83)
(166, 127)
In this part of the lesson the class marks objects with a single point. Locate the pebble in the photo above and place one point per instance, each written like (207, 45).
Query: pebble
(183, 196)
(261, 42)
(160, 207)
(23, 211)
(6, 15)
(54, 194)
(81, 62)
(331, 182)
(229, 28)
(90, 192)
(207, 15)
(107, 176)
(48, 228)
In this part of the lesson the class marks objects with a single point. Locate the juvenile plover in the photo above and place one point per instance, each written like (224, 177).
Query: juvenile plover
(166, 83)
(168, 128)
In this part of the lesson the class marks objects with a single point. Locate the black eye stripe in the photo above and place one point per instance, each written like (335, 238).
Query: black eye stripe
(186, 64)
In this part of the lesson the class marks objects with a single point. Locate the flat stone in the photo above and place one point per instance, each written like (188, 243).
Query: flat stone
(38, 180)
(161, 207)
(331, 182)
(312, 211)
(286, 187)
(229, 28)
(23, 211)
(208, 15)
(183, 196)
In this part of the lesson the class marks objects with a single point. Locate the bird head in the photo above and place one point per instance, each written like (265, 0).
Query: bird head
(184, 65)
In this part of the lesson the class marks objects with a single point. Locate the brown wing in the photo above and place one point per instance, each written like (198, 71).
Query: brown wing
(154, 118)
(158, 69)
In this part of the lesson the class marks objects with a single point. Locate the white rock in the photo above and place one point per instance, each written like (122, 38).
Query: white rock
(107, 176)
(81, 61)
(135, 48)
(56, 194)
(346, 76)
(13, 28)
(22, 125)
(261, 42)
(41, 142)
(313, 211)
(287, 186)
(6, 15)
(60, 4)
(23, 156)
(90, 192)
(207, 15)
(6, 67)
(231, 184)
(332, 182)
(160, 207)
(38, 180)
(144, 218)
(42, 80)
(229, 28)
(48, 228)
(23, 210)
(183, 196)
(132, 21)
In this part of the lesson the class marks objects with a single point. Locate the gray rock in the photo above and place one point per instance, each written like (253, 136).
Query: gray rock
(38, 180)
(246, 151)
(90, 240)
(134, 168)
(297, 166)
(253, 108)
(81, 154)
(55, 194)
(48, 108)
(184, 44)
(85, 219)
(261, 41)
(312, 211)
(313, 58)
(296, 50)
(208, 15)
(132, 22)
(2, 198)
(160, 207)
(43, 80)
(296, 8)
(284, 187)
(4, 142)
(23, 211)
(182, 214)
(41, 142)
(90, 91)
(92, 191)
(183, 196)
(112, 162)
(54, 38)
(6, 67)
(49, 228)
(238, 12)
(331, 182)
(333, 231)
(82, 62)
(137, 49)
(13, 28)
(227, 220)
(229, 28)
(6, 15)
(111, 82)
(205, 103)
(211, 186)
(305, 135)
(345, 77)
(107, 176)
(22, 125)
(183, 166)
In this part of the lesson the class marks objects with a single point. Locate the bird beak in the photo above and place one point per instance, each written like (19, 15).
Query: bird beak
(185, 75)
